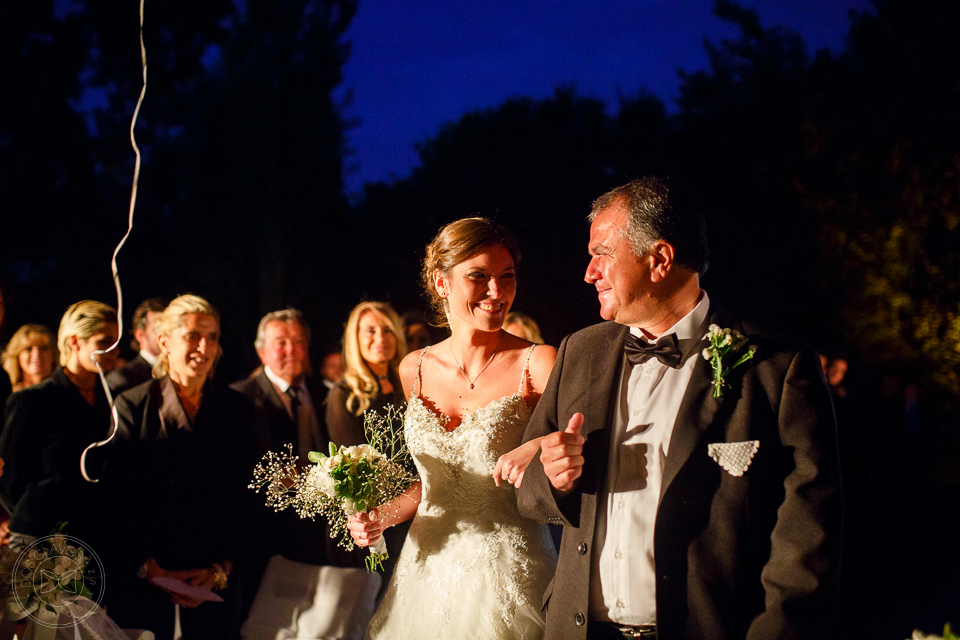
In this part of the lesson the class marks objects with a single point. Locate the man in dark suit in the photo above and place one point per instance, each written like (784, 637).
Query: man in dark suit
(691, 509)
(287, 410)
(140, 369)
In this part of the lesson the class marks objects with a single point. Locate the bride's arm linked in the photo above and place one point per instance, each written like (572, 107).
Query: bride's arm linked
(512, 465)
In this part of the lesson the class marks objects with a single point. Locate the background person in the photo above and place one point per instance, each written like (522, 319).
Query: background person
(175, 477)
(288, 553)
(331, 368)
(30, 356)
(49, 425)
(520, 324)
(373, 346)
(140, 369)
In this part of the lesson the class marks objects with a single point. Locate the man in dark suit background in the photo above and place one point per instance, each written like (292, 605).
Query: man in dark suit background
(685, 515)
(287, 406)
(140, 369)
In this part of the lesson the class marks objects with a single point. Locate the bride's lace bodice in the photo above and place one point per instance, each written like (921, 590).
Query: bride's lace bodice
(472, 567)
(456, 467)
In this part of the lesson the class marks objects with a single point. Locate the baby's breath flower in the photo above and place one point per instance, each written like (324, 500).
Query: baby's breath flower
(349, 480)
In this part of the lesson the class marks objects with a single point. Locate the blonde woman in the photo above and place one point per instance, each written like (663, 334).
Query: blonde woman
(471, 567)
(49, 425)
(373, 346)
(177, 469)
(29, 356)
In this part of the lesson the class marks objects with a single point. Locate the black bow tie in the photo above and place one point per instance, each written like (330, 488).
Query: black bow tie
(666, 350)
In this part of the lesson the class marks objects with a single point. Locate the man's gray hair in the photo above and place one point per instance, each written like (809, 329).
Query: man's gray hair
(286, 315)
(659, 209)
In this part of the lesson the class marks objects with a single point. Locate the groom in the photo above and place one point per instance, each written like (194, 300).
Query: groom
(685, 515)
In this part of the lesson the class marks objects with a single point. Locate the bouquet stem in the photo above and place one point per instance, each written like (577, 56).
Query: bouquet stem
(378, 553)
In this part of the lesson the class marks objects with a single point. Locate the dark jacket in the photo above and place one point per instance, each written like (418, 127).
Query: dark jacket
(47, 428)
(285, 533)
(179, 486)
(134, 373)
(345, 427)
(754, 556)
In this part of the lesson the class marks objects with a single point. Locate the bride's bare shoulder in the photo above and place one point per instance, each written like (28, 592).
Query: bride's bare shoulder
(411, 362)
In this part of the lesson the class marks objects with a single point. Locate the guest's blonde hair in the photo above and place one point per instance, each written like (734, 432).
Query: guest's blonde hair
(82, 320)
(172, 319)
(24, 338)
(528, 326)
(357, 376)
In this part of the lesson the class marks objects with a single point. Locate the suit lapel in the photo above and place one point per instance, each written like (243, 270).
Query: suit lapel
(270, 393)
(602, 381)
(698, 408)
(173, 418)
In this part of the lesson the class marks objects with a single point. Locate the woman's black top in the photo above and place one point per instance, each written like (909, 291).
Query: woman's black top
(344, 426)
(180, 485)
(46, 429)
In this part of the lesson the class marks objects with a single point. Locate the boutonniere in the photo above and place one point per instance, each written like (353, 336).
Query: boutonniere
(724, 345)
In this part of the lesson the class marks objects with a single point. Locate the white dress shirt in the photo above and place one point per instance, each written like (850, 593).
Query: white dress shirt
(149, 357)
(623, 575)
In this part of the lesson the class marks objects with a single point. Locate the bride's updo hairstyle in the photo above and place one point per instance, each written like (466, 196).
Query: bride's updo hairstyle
(458, 241)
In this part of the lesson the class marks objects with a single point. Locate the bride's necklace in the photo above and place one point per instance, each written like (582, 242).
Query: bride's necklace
(464, 373)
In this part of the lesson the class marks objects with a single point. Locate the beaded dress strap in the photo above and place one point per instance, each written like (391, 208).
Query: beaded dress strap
(416, 379)
(526, 366)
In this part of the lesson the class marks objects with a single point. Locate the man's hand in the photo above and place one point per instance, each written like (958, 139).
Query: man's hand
(561, 455)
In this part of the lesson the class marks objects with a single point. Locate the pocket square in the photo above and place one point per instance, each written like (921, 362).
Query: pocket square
(734, 457)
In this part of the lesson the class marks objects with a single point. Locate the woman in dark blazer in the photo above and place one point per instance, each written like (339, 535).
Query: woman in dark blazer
(373, 346)
(48, 426)
(178, 469)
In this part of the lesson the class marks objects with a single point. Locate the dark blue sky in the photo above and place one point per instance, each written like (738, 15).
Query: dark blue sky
(415, 65)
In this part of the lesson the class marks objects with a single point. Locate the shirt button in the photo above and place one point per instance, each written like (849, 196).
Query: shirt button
(621, 504)
(620, 603)
(582, 549)
(636, 412)
(618, 555)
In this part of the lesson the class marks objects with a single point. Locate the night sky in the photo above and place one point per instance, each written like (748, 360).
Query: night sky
(417, 65)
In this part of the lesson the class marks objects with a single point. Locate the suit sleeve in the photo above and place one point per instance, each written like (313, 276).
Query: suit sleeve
(801, 577)
(536, 497)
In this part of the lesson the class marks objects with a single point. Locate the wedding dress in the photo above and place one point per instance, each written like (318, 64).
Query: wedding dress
(471, 566)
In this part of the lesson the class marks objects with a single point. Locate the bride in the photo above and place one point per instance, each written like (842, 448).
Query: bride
(471, 567)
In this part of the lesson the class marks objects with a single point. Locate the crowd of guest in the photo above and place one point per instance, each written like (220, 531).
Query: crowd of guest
(171, 510)
(186, 547)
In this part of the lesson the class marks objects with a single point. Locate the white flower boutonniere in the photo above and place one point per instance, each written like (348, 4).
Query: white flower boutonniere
(724, 344)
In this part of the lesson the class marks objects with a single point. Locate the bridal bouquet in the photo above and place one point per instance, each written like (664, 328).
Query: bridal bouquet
(346, 481)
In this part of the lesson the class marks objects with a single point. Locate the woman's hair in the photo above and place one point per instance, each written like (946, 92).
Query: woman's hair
(357, 376)
(458, 241)
(23, 339)
(82, 319)
(529, 326)
(172, 319)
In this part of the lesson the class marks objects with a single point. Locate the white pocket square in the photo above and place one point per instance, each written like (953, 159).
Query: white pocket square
(734, 457)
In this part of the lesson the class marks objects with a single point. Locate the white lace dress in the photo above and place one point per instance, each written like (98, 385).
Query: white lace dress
(472, 567)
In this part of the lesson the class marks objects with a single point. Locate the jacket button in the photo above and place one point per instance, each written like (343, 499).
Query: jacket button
(580, 620)
(582, 548)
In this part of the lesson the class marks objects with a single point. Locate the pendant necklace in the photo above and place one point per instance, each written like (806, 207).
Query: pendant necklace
(464, 373)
